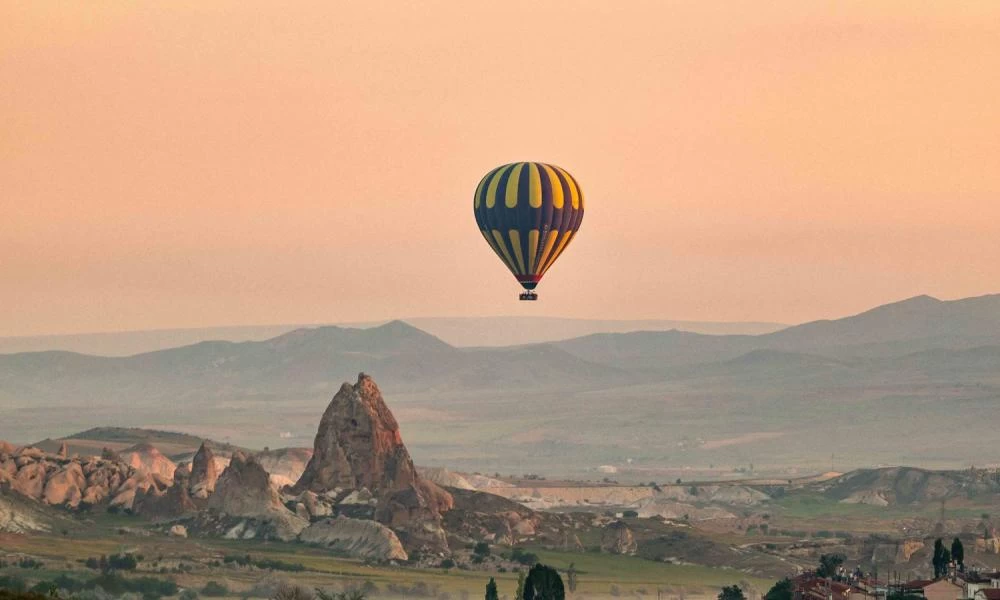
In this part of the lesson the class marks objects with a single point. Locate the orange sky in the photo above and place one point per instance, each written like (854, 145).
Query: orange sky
(171, 164)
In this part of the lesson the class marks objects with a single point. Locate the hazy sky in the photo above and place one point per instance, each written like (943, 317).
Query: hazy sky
(169, 164)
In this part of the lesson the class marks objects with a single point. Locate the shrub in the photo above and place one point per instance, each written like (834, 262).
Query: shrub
(214, 589)
(65, 582)
(525, 558)
(30, 563)
(123, 562)
(278, 565)
(13, 583)
(45, 588)
(292, 592)
(6, 594)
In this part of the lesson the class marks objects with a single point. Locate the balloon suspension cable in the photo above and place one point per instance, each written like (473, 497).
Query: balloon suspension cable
(528, 295)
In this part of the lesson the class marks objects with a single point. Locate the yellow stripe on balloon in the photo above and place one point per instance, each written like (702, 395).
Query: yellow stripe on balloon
(493, 245)
(512, 185)
(534, 186)
(562, 246)
(532, 251)
(515, 243)
(479, 188)
(503, 246)
(491, 192)
(489, 240)
(574, 190)
(557, 190)
(549, 243)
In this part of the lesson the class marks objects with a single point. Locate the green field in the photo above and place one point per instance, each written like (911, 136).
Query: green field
(598, 573)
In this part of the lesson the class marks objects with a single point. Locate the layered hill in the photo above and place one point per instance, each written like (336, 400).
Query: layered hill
(905, 327)
(633, 401)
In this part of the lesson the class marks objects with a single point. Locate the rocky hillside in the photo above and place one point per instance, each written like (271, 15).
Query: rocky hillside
(894, 486)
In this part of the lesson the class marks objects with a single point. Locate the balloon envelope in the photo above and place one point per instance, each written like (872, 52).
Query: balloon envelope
(528, 212)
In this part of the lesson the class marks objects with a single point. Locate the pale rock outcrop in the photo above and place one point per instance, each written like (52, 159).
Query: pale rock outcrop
(29, 452)
(30, 479)
(204, 473)
(444, 477)
(617, 538)
(68, 482)
(63, 451)
(361, 538)
(244, 490)
(94, 495)
(65, 487)
(315, 506)
(6, 447)
(17, 518)
(123, 499)
(178, 531)
(138, 482)
(285, 465)
(908, 548)
(483, 482)
(988, 545)
(146, 458)
(869, 497)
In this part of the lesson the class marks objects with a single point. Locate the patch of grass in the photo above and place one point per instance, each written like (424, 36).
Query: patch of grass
(598, 571)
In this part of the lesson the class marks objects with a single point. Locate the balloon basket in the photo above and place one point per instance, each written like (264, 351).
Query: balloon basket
(528, 296)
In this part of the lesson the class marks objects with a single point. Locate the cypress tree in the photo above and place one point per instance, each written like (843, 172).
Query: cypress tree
(958, 554)
(543, 583)
(937, 561)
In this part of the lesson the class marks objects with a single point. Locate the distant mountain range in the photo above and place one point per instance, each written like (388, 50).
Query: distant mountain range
(887, 385)
(913, 325)
(457, 331)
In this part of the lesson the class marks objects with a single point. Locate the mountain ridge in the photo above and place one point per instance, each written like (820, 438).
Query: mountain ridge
(587, 401)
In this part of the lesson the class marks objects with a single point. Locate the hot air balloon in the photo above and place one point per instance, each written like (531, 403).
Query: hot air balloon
(528, 212)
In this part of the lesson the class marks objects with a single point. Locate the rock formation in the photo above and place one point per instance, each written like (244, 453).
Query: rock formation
(68, 482)
(359, 447)
(445, 478)
(65, 486)
(6, 447)
(146, 458)
(285, 465)
(30, 478)
(204, 473)
(16, 516)
(908, 548)
(617, 538)
(366, 539)
(172, 502)
(244, 490)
